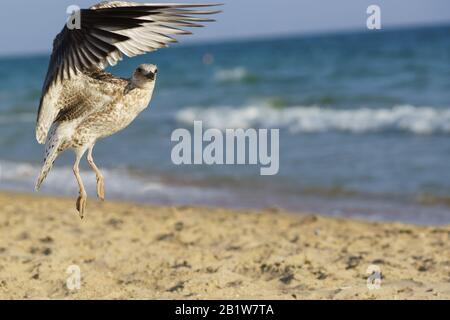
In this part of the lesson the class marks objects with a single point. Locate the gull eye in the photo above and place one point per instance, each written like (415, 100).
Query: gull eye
(156, 71)
(139, 70)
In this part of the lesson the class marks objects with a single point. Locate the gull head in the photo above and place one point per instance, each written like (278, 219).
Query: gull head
(144, 75)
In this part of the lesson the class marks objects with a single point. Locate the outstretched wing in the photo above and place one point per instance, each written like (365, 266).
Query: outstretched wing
(107, 31)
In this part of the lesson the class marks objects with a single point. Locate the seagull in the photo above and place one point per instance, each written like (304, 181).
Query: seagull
(80, 102)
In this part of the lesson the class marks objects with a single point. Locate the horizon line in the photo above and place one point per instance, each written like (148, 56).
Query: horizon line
(267, 37)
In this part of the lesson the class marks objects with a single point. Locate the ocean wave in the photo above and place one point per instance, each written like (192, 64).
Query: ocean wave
(314, 119)
(120, 184)
(236, 74)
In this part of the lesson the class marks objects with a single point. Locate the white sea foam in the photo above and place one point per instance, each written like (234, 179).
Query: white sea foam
(407, 118)
(232, 75)
(120, 184)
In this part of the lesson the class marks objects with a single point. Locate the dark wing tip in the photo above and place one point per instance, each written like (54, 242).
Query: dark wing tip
(191, 5)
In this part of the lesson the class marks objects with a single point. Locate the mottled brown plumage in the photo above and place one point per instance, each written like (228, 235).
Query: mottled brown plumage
(80, 102)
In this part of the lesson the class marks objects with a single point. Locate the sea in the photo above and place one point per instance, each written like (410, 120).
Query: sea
(364, 120)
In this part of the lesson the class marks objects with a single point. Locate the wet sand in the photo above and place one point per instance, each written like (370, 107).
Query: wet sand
(133, 251)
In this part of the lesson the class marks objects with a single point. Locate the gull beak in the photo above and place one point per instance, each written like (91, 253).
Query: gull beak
(151, 75)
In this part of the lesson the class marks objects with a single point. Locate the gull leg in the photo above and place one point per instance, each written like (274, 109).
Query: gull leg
(81, 201)
(99, 175)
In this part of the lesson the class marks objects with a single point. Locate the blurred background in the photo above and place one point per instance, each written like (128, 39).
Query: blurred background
(364, 114)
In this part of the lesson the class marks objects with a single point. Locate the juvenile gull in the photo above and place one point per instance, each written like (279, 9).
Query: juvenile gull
(80, 102)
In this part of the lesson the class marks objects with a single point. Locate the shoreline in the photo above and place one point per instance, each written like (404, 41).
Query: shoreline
(163, 190)
(137, 251)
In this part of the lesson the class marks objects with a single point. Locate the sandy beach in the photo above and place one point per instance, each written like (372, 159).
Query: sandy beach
(134, 251)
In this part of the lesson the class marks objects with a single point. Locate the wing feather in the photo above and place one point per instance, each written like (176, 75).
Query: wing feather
(109, 30)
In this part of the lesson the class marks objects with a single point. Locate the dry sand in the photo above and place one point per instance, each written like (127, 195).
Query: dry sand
(141, 252)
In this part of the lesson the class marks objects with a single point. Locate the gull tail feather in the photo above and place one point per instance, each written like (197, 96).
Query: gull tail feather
(51, 153)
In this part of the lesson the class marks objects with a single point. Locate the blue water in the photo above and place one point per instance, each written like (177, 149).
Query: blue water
(364, 120)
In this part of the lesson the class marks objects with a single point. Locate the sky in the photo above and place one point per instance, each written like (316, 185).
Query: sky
(29, 26)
